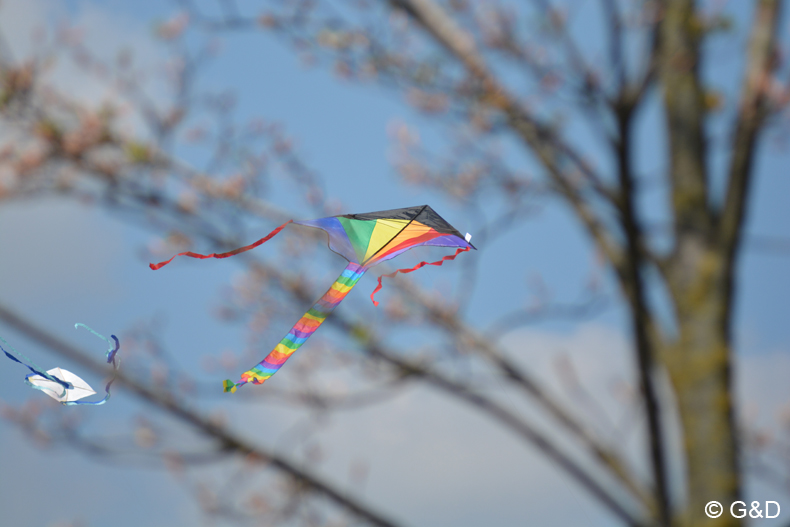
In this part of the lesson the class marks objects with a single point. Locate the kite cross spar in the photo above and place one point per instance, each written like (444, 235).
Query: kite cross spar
(364, 240)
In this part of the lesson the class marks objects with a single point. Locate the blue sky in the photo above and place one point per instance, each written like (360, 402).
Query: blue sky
(77, 263)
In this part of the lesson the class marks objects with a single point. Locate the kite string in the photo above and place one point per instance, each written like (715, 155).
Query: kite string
(418, 266)
(223, 255)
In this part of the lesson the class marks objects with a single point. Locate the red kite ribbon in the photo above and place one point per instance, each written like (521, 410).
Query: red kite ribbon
(418, 266)
(227, 254)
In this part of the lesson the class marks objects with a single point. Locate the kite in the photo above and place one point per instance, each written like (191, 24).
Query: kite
(60, 384)
(364, 240)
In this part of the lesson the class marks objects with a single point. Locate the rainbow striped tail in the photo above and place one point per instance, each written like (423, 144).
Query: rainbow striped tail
(301, 331)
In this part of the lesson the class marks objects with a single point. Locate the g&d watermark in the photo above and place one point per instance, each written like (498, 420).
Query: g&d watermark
(768, 509)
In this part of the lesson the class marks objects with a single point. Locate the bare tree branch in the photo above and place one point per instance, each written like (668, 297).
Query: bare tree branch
(546, 144)
(168, 403)
(525, 382)
(752, 112)
(641, 318)
(616, 48)
(684, 102)
(507, 418)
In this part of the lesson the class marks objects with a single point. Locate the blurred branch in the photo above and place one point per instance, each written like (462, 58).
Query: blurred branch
(151, 158)
(684, 104)
(616, 48)
(590, 84)
(509, 321)
(752, 111)
(319, 401)
(545, 143)
(228, 441)
(549, 148)
(634, 289)
(444, 318)
(510, 420)
(521, 379)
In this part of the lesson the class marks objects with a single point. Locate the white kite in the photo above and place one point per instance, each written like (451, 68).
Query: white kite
(62, 385)
(79, 388)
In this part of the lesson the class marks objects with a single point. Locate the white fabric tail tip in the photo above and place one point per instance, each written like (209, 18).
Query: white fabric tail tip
(468, 237)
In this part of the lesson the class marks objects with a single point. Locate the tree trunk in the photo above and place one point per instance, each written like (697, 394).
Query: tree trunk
(699, 364)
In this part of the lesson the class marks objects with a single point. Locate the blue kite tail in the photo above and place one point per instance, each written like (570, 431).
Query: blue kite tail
(37, 370)
(112, 351)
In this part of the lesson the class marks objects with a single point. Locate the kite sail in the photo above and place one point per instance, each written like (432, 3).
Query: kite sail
(365, 240)
(60, 384)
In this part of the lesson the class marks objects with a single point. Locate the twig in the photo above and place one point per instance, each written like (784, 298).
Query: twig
(165, 401)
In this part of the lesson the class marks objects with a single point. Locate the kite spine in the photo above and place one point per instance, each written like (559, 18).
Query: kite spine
(302, 330)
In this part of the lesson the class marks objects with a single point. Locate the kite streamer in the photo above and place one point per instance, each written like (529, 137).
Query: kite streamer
(227, 254)
(365, 240)
(301, 331)
(62, 385)
(418, 266)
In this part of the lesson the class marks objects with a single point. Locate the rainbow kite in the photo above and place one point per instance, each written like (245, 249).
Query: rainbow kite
(364, 240)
